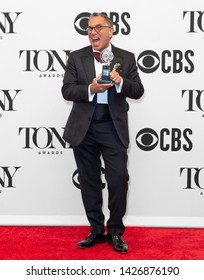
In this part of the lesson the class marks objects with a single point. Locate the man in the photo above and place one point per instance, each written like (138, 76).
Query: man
(98, 127)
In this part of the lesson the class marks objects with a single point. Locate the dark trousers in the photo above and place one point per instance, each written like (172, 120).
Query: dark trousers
(102, 140)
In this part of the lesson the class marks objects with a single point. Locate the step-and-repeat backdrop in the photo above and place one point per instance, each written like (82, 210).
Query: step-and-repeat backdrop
(38, 178)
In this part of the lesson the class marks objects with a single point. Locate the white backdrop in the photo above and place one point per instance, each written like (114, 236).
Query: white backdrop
(166, 125)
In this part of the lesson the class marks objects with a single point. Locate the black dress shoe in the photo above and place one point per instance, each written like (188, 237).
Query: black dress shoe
(91, 240)
(118, 243)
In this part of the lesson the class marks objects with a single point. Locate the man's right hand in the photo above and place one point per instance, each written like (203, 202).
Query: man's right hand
(95, 87)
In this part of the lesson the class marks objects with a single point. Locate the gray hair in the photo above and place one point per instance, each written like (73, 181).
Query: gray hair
(107, 19)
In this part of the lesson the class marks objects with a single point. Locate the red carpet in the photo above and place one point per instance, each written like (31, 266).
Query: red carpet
(59, 243)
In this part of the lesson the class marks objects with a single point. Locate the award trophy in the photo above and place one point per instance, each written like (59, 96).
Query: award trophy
(107, 57)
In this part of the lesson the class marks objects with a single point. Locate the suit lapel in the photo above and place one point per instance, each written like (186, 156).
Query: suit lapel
(88, 62)
(117, 59)
(88, 65)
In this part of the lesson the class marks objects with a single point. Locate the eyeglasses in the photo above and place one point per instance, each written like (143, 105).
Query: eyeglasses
(97, 28)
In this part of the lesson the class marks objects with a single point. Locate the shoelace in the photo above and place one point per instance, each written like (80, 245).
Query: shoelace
(117, 238)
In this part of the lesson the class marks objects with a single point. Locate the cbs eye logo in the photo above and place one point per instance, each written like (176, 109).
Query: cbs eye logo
(148, 61)
(168, 139)
(81, 23)
(174, 61)
(120, 22)
(76, 179)
(147, 139)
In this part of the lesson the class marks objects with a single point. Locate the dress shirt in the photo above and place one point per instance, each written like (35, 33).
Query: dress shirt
(102, 97)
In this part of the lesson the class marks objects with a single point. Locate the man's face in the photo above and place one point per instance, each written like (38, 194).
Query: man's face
(99, 39)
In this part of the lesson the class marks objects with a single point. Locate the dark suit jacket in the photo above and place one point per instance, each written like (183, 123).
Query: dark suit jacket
(79, 74)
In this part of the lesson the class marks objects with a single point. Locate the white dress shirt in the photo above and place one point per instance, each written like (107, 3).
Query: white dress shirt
(102, 97)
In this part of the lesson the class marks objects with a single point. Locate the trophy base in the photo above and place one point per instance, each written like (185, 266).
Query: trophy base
(104, 82)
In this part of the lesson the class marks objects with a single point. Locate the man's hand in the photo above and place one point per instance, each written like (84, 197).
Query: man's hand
(95, 87)
(115, 77)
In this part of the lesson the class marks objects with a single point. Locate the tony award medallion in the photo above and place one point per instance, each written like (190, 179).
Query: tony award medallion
(107, 57)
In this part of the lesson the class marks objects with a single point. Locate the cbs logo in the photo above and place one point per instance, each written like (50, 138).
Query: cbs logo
(120, 22)
(76, 179)
(168, 139)
(174, 61)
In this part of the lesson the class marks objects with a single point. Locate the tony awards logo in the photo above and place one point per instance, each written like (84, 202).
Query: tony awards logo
(107, 56)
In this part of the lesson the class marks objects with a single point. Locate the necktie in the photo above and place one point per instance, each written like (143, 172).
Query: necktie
(97, 56)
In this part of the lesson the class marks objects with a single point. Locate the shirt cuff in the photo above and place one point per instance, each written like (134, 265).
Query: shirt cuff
(119, 87)
(90, 95)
